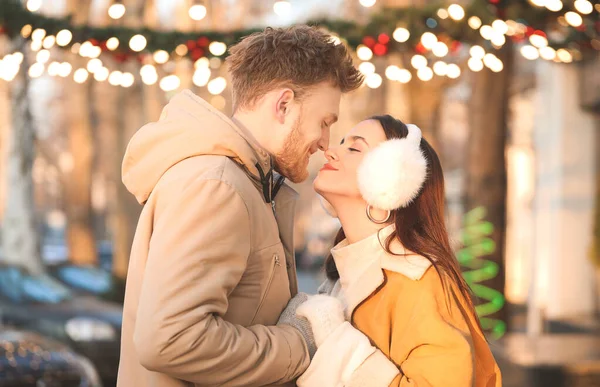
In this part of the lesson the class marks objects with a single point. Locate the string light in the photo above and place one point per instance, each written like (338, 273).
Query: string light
(101, 75)
(487, 32)
(94, 65)
(364, 52)
(475, 64)
(54, 69)
(440, 49)
(36, 45)
(425, 74)
(181, 50)
(36, 70)
(150, 79)
(217, 86)
(418, 61)
(202, 62)
(217, 48)
(498, 40)
(49, 42)
(63, 38)
(38, 34)
(490, 60)
(477, 52)
(115, 78)
(584, 6)
(65, 69)
(573, 18)
(282, 8)
(497, 66)
(112, 44)
(80, 75)
(538, 40)
(127, 80)
(197, 11)
(201, 76)
(538, 3)
(366, 68)
(442, 13)
(374, 80)
(137, 43)
(554, 5)
(215, 63)
(26, 31)
(474, 22)
(453, 71)
(43, 56)
(161, 56)
(530, 52)
(440, 68)
(367, 3)
(500, 26)
(404, 76)
(170, 83)
(456, 12)
(116, 10)
(85, 49)
(392, 72)
(428, 40)
(547, 53)
(34, 5)
(401, 34)
(564, 55)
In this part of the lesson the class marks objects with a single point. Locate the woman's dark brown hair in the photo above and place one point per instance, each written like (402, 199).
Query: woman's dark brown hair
(420, 226)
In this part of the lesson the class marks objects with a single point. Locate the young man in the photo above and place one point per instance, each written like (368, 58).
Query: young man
(212, 263)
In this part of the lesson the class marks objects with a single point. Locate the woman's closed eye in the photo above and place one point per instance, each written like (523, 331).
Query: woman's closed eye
(353, 150)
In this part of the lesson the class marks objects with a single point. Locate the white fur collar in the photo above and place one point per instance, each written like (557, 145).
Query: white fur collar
(353, 259)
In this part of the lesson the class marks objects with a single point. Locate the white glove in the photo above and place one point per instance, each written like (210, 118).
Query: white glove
(325, 314)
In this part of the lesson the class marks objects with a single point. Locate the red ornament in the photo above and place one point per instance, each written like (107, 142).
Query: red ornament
(380, 49)
(190, 44)
(518, 38)
(420, 48)
(383, 38)
(455, 46)
(369, 41)
(2, 30)
(103, 45)
(94, 42)
(121, 57)
(494, 1)
(197, 53)
(141, 58)
(203, 41)
(529, 31)
(539, 32)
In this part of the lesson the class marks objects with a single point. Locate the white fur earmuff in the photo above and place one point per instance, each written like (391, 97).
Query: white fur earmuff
(392, 174)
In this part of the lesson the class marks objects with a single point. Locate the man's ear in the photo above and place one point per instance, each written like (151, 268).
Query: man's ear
(285, 98)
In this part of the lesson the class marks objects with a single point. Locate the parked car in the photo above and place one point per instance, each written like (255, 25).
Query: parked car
(85, 323)
(90, 280)
(31, 360)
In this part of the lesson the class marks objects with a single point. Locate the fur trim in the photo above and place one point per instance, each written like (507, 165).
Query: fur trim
(392, 174)
(327, 207)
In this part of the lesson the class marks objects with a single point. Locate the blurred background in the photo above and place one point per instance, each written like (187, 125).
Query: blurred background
(507, 91)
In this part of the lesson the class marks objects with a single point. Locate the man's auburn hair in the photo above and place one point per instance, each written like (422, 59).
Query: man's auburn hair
(297, 57)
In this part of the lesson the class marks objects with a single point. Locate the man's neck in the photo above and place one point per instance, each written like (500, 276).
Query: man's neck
(251, 126)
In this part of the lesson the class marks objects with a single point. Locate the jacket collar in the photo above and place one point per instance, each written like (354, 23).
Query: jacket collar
(369, 259)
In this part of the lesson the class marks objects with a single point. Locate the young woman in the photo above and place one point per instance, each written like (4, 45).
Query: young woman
(395, 309)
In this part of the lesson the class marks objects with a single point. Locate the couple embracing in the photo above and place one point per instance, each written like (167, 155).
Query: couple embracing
(212, 296)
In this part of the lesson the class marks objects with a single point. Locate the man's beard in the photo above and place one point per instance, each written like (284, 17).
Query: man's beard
(291, 162)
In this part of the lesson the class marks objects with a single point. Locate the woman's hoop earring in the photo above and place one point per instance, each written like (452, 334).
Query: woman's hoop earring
(377, 221)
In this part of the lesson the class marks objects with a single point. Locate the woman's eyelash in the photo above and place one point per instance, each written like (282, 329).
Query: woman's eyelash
(353, 150)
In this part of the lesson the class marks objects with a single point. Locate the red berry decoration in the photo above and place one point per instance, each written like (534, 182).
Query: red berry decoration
(383, 38)
(197, 53)
(94, 42)
(121, 57)
(420, 48)
(455, 46)
(203, 41)
(369, 41)
(190, 44)
(529, 31)
(380, 49)
(2, 30)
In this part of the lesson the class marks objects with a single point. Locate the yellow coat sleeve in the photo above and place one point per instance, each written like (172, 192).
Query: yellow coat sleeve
(429, 347)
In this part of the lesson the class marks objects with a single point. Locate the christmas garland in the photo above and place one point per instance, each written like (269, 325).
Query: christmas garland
(477, 245)
(377, 34)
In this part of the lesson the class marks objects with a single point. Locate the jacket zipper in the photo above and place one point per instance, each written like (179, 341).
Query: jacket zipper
(276, 262)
